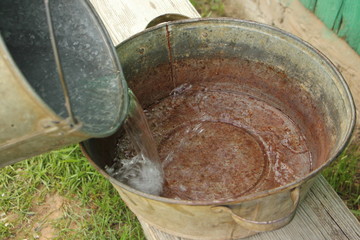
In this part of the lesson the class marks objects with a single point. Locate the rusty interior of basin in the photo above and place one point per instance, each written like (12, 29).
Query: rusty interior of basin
(226, 128)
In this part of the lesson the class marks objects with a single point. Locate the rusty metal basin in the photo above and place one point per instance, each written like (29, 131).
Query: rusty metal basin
(255, 82)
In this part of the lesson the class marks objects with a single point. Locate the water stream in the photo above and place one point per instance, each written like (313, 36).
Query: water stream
(140, 168)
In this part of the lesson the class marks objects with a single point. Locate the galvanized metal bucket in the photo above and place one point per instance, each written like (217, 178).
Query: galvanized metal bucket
(60, 79)
(326, 112)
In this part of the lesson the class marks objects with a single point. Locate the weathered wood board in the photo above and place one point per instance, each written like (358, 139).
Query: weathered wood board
(124, 18)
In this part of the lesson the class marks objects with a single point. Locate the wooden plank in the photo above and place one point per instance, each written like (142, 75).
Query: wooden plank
(322, 216)
(125, 18)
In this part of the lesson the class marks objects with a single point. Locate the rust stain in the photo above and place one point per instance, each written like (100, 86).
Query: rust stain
(168, 35)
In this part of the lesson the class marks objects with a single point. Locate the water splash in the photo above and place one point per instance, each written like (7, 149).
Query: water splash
(142, 171)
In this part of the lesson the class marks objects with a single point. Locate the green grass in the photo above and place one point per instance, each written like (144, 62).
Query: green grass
(344, 176)
(94, 209)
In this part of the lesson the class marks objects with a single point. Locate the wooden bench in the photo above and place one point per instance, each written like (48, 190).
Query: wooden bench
(322, 215)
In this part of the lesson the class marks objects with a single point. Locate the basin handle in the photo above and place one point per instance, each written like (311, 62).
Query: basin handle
(262, 226)
(166, 18)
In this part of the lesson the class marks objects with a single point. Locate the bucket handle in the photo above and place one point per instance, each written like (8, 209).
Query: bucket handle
(165, 18)
(262, 226)
(71, 118)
